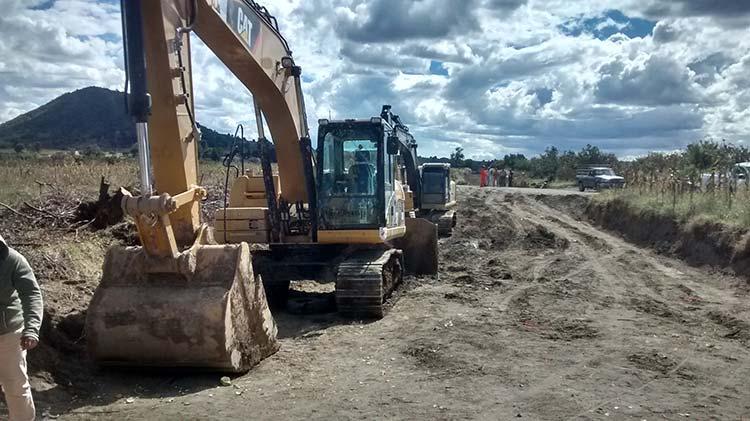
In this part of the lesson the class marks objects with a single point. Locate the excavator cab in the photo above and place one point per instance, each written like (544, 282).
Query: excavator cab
(438, 196)
(352, 171)
(361, 193)
(436, 184)
(359, 199)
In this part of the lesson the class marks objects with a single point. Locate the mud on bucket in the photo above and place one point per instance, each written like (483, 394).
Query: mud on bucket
(205, 309)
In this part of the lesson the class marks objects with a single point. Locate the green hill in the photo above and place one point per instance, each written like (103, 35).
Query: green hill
(86, 117)
(91, 117)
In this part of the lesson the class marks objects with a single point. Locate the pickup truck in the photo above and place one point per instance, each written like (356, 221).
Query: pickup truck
(598, 178)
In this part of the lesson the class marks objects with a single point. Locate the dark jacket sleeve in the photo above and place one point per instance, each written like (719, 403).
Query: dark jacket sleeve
(31, 298)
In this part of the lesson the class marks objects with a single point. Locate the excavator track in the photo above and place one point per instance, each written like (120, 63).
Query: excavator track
(446, 222)
(365, 279)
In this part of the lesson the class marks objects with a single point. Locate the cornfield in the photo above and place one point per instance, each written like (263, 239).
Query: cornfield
(702, 182)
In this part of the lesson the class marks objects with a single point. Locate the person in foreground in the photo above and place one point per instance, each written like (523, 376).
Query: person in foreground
(20, 320)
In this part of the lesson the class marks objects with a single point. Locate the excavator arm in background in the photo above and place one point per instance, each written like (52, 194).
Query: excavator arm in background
(401, 142)
(432, 192)
(181, 300)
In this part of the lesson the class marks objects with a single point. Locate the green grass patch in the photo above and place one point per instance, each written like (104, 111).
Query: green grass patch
(716, 206)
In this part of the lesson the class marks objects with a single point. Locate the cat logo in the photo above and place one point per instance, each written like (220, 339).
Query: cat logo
(244, 26)
(243, 21)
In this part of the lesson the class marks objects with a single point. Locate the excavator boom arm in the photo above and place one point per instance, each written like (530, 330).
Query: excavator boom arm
(246, 39)
(181, 300)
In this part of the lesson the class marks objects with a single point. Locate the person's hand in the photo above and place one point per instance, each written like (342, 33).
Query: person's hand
(28, 343)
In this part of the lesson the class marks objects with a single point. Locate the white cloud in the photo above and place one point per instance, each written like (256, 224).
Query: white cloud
(516, 82)
(47, 52)
(647, 79)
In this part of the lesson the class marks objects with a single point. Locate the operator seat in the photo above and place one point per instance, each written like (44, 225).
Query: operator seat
(362, 178)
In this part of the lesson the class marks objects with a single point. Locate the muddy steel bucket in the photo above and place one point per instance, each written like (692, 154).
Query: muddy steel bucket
(205, 309)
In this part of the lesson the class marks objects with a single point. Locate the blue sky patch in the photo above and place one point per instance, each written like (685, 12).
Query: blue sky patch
(609, 23)
(437, 68)
(43, 5)
(114, 38)
(544, 95)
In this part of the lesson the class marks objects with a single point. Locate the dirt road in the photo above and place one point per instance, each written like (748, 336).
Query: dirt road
(535, 315)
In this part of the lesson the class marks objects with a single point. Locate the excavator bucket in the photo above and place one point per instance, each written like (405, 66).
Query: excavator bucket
(420, 247)
(204, 309)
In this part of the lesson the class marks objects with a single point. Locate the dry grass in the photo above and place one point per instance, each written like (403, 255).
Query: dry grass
(29, 179)
(36, 177)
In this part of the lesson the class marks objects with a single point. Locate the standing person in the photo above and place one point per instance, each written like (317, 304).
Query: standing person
(21, 310)
(483, 177)
(510, 177)
(502, 177)
(491, 180)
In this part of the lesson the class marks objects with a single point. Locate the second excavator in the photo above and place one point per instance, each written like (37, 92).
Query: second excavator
(193, 297)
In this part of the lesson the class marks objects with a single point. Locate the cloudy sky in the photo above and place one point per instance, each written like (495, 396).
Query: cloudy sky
(492, 76)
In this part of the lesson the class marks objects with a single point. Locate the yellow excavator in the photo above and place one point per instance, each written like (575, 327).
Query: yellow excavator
(193, 296)
(438, 196)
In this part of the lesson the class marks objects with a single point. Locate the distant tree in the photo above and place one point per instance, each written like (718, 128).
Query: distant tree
(473, 165)
(457, 157)
(702, 155)
(567, 164)
(546, 165)
(18, 147)
(590, 155)
(213, 154)
(36, 147)
(433, 158)
(740, 154)
(517, 162)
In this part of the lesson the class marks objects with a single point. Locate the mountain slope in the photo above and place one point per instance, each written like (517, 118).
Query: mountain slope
(94, 116)
(86, 117)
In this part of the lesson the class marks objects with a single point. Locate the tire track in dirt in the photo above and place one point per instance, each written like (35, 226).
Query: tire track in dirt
(609, 259)
(611, 252)
(675, 290)
(588, 266)
(629, 258)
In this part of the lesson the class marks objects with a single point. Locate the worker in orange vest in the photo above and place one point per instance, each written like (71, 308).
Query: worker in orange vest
(483, 177)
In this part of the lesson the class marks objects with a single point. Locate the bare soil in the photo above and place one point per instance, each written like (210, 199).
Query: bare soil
(698, 242)
(536, 315)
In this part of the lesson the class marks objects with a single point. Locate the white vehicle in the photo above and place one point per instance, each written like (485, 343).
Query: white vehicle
(739, 174)
(597, 178)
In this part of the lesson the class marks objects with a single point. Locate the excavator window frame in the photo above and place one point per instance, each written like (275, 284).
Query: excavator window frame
(380, 162)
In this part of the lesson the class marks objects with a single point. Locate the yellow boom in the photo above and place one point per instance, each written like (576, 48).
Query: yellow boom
(181, 300)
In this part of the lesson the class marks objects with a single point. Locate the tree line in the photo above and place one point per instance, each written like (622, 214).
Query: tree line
(699, 158)
(551, 164)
